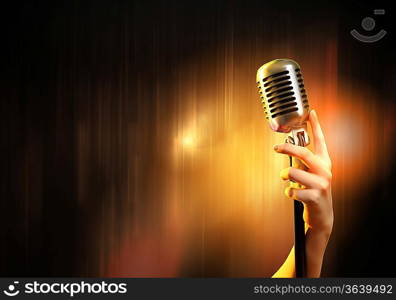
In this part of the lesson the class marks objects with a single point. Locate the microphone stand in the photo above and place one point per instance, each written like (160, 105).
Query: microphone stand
(299, 137)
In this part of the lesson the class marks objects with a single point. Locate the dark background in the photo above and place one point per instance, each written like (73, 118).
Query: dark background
(58, 53)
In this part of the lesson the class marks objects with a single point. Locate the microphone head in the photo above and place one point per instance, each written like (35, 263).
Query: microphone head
(281, 89)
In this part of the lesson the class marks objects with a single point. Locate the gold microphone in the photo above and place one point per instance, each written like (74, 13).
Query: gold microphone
(285, 102)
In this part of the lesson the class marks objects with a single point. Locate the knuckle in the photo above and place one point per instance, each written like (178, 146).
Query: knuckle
(329, 164)
(324, 185)
(315, 196)
(310, 198)
(329, 175)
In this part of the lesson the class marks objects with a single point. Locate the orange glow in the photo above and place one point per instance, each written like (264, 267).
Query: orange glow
(188, 141)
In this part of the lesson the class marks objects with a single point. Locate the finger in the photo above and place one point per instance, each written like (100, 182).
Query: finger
(307, 196)
(301, 153)
(318, 136)
(309, 180)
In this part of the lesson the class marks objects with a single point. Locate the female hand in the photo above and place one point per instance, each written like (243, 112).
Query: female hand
(316, 181)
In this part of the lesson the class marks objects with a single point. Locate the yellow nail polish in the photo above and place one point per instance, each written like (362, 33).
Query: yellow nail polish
(288, 192)
(284, 174)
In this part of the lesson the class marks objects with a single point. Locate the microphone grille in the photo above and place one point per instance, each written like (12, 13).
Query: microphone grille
(282, 93)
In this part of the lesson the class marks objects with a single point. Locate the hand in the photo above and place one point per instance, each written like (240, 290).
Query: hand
(316, 181)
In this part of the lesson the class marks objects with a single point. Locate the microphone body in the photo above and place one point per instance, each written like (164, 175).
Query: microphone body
(285, 103)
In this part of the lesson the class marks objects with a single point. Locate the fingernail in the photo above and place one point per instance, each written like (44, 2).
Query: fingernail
(276, 147)
(289, 192)
(284, 174)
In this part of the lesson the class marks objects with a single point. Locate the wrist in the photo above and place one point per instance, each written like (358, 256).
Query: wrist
(324, 231)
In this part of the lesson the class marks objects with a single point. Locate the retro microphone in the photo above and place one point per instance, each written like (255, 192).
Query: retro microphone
(285, 102)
